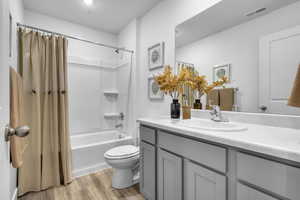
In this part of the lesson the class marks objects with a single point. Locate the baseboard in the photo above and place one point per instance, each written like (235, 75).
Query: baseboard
(89, 170)
(15, 195)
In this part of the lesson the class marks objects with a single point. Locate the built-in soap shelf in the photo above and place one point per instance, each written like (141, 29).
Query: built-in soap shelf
(111, 92)
(111, 115)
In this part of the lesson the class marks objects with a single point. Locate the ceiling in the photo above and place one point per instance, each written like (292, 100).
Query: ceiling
(221, 16)
(107, 15)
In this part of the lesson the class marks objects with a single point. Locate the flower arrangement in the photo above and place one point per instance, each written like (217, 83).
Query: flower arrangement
(173, 85)
(200, 85)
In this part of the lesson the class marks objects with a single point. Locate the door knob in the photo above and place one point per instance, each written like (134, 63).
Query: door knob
(263, 108)
(21, 131)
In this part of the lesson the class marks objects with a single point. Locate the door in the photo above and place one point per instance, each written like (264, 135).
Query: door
(279, 61)
(169, 176)
(147, 166)
(247, 193)
(203, 184)
(4, 101)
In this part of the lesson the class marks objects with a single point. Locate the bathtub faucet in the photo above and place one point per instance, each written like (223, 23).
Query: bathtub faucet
(119, 126)
(122, 115)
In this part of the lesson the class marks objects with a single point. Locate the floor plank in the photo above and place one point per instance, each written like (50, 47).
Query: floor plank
(95, 186)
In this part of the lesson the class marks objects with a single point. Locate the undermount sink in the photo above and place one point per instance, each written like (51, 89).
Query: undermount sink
(209, 125)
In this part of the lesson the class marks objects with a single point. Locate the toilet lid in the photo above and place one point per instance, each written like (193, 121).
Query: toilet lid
(122, 151)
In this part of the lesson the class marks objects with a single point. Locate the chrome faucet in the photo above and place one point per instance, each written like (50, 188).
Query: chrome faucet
(119, 126)
(217, 114)
(122, 116)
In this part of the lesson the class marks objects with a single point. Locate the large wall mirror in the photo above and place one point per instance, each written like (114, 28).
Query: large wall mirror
(255, 43)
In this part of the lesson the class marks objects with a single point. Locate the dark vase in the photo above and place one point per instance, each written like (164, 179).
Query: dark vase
(197, 104)
(175, 109)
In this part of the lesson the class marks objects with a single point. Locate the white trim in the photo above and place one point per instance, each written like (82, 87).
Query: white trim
(15, 195)
(89, 170)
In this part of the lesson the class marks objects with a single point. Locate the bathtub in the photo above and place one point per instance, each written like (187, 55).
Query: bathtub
(88, 150)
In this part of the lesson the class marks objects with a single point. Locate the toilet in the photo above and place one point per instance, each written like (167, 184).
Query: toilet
(124, 161)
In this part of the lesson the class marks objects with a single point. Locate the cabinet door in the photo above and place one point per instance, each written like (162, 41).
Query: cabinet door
(203, 184)
(247, 193)
(169, 176)
(147, 166)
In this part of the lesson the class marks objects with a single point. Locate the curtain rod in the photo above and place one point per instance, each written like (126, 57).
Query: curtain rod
(117, 49)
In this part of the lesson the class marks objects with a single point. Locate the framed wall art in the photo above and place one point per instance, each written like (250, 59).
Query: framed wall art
(220, 71)
(154, 92)
(156, 56)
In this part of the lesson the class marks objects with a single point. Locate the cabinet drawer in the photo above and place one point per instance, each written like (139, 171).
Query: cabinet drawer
(206, 154)
(147, 134)
(275, 177)
(247, 193)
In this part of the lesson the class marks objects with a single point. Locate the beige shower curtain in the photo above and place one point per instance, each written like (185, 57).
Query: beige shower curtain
(43, 66)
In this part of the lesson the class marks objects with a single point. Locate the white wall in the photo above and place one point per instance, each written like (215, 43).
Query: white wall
(156, 26)
(76, 48)
(239, 46)
(86, 83)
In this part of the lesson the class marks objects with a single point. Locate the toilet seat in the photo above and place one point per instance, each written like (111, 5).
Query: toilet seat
(122, 152)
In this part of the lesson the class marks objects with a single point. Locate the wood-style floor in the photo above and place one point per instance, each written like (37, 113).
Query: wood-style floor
(91, 187)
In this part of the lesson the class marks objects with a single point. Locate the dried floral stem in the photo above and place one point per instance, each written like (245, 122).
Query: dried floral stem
(174, 85)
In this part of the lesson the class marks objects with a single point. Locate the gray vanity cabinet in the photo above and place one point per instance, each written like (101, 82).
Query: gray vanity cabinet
(203, 184)
(176, 167)
(272, 176)
(247, 193)
(148, 163)
(147, 170)
(169, 176)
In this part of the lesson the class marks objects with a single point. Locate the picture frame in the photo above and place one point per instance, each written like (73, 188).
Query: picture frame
(154, 92)
(156, 56)
(220, 71)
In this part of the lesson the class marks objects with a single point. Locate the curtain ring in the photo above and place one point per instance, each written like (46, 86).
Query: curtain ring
(33, 91)
(63, 92)
(49, 92)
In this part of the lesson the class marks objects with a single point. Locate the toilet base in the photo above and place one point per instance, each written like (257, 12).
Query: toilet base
(122, 178)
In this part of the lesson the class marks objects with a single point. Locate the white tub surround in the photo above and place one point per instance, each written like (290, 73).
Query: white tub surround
(88, 150)
(283, 143)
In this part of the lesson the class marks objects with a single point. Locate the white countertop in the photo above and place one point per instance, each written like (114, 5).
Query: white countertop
(274, 141)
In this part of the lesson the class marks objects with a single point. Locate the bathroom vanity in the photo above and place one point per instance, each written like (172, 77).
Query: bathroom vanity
(184, 163)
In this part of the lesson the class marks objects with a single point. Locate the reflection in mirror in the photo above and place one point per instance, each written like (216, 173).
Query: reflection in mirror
(187, 98)
(253, 43)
